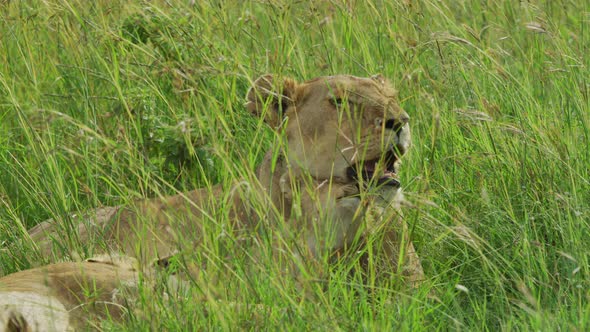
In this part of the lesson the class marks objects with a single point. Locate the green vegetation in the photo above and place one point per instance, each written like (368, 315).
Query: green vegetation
(102, 102)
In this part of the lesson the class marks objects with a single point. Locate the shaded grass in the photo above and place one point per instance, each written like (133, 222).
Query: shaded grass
(104, 102)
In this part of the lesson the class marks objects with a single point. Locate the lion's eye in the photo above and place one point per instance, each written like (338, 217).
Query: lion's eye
(338, 102)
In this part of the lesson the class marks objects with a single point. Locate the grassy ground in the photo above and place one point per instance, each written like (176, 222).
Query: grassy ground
(103, 101)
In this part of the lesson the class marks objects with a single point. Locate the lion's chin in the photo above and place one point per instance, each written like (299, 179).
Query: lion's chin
(388, 179)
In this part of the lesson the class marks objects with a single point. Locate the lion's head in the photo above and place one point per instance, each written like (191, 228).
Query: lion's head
(343, 128)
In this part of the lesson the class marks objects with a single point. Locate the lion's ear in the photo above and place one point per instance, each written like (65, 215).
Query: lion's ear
(269, 97)
(379, 79)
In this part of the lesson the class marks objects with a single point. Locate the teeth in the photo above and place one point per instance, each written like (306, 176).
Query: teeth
(390, 175)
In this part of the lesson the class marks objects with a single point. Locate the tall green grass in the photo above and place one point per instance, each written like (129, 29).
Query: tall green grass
(103, 102)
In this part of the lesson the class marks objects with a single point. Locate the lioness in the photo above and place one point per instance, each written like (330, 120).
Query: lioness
(344, 136)
(331, 186)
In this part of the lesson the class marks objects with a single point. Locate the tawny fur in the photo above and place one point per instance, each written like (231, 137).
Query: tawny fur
(66, 296)
(329, 124)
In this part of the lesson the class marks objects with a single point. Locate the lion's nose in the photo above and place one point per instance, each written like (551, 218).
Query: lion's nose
(397, 124)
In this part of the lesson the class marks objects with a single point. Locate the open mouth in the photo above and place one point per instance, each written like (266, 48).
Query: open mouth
(376, 172)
